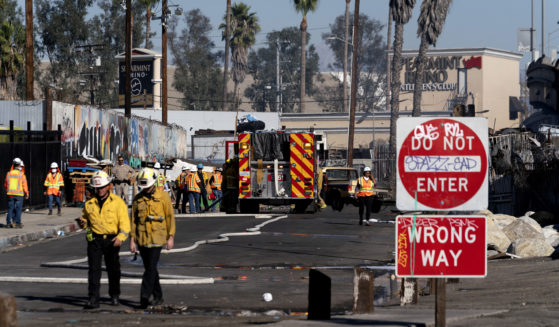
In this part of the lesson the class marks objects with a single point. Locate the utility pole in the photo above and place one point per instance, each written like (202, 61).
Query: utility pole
(346, 37)
(164, 62)
(543, 27)
(354, 73)
(128, 61)
(278, 82)
(226, 64)
(29, 50)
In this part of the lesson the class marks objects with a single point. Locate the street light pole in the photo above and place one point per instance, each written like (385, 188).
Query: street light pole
(164, 62)
(128, 61)
(29, 50)
(354, 72)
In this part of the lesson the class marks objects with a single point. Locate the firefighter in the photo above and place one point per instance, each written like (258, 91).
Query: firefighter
(15, 185)
(215, 182)
(153, 227)
(230, 185)
(180, 185)
(194, 191)
(366, 194)
(122, 173)
(106, 217)
(160, 182)
(202, 184)
(53, 183)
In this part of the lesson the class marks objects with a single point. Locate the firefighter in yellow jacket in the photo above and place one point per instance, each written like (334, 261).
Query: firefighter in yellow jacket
(365, 185)
(15, 185)
(153, 227)
(53, 183)
(106, 217)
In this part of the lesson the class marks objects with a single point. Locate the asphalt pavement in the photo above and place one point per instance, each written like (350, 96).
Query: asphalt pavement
(236, 259)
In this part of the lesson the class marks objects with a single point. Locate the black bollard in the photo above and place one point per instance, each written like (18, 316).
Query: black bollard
(319, 295)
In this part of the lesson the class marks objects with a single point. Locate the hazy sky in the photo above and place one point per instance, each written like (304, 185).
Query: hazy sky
(470, 23)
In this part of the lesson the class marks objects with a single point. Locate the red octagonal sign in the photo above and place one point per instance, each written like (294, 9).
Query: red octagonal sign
(442, 164)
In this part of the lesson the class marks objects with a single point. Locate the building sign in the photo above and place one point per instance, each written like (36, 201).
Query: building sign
(435, 77)
(442, 163)
(441, 246)
(141, 84)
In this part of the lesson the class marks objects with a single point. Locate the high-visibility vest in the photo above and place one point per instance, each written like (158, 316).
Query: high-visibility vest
(192, 183)
(365, 186)
(181, 181)
(16, 183)
(161, 181)
(216, 181)
(54, 183)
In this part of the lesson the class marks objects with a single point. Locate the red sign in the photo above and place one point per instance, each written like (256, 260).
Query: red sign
(280, 177)
(441, 246)
(473, 62)
(442, 164)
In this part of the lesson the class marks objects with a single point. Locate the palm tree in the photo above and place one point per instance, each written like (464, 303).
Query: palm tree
(242, 32)
(226, 62)
(401, 13)
(304, 6)
(12, 43)
(430, 25)
(148, 4)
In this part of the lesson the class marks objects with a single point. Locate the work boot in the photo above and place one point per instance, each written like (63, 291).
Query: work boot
(115, 301)
(144, 303)
(93, 303)
(50, 212)
(158, 301)
(59, 212)
(18, 225)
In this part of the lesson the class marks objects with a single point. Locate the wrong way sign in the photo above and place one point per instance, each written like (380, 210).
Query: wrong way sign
(442, 164)
(441, 246)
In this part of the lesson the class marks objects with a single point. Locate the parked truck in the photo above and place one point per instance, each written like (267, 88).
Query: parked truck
(275, 168)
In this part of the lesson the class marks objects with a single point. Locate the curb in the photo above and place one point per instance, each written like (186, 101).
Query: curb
(12, 241)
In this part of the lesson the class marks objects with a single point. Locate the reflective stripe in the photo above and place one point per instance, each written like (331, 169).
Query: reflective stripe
(53, 183)
(365, 187)
(14, 181)
(193, 183)
(216, 181)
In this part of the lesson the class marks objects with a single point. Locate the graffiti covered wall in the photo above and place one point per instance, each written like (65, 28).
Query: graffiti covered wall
(103, 134)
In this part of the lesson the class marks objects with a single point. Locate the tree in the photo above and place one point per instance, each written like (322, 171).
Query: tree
(401, 13)
(372, 75)
(198, 73)
(262, 67)
(12, 47)
(242, 31)
(430, 25)
(226, 57)
(148, 4)
(304, 6)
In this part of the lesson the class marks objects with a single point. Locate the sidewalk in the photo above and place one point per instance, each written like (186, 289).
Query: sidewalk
(37, 225)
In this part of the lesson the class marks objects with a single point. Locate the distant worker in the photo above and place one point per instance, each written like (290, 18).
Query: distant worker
(365, 195)
(231, 186)
(181, 188)
(160, 182)
(15, 185)
(53, 183)
(193, 188)
(106, 217)
(153, 226)
(216, 180)
(202, 184)
(122, 173)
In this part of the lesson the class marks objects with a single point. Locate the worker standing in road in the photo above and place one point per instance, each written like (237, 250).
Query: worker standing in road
(365, 186)
(122, 173)
(15, 185)
(53, 183)
(215, 182)
(193, 188)
(180, 185)
(160, 182)
(106, 217)
(202, 185)
(153, 226)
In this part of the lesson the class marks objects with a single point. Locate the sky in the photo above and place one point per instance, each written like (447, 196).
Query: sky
(469, 24)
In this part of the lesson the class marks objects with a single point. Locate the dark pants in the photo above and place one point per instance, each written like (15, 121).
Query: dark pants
(150, 280)
(204, 198)
(96, 249)
(181, 194)
(365, 202)
(218, 195)
(194, 199)
(54, 198)
(15, 203)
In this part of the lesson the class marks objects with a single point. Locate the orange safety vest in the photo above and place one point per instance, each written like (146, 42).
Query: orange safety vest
(181, 181)
(216, 182)
(54, 183)
(16, 183)
(192, 183)
(365, 186)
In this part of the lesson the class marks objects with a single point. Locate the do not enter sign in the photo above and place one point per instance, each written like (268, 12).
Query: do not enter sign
(442, 164)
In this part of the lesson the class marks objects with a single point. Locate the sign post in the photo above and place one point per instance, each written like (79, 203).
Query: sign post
(442, 165)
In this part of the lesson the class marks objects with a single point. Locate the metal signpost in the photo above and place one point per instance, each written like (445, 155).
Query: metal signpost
(442, 165)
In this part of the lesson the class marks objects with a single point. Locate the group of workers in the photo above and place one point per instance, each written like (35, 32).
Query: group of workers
(192, 186)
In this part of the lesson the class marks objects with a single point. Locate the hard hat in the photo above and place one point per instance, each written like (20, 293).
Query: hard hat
(184, 168)
(366, 169)
(100, 179)
(156, 165)
(200, 166)
(193, 170)
(146, 178)
(219, 169)
(54, 165)
(17, 162)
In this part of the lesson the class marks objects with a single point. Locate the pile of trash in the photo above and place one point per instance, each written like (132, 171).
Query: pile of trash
(521, 237)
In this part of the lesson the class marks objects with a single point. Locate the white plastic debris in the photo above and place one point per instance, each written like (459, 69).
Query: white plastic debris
(267, 297)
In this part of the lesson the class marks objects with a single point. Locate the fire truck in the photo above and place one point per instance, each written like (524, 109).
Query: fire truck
(275, 168)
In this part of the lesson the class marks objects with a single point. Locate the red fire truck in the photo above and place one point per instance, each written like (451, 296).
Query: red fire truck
(275, 168)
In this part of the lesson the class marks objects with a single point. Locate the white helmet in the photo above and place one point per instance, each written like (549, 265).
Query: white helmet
(193, 170)
(100, 179)
(54, 165)
(366, 169)
(184, 168)
(146, 178)
(157, 165)
(17, 162)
